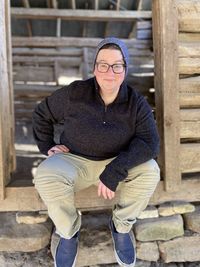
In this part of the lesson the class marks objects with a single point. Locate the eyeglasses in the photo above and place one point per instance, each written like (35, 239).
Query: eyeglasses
(104, 67)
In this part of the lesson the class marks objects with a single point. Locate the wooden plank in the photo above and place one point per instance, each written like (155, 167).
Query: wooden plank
(71, 61)
(28, 23)
(190, 123)
(191, 49)
(190, 157)
(69, 41)
(188, 15)
(191, 84)
(189, 65)
(5, 107)
(189, 89)
(47, 51)
(78, 14)
(165, 32)
(27, 199)
(31, 89)
(30, 73)
(11, 94)
(189, 37)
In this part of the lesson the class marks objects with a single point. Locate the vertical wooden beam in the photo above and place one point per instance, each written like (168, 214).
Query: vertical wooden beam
(11, 90)
(73, 2)
(5, 107)
(58, 27)
(96, 4)
(29, 24)
(118, 5)
(165, 41)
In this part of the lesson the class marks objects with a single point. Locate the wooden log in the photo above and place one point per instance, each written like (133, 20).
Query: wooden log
(10, 80)
(188, 15)
(191, 84)
(30, 73)
(23, 90)
(25, 198)
(189, 89)
(78, 14)
(190, 157)
(70, 41)
(6, 119)
(70, 61)
(189, 37)
(191, 49)
(189, 65)
(48, 51)
(165, 33)
(190, 123)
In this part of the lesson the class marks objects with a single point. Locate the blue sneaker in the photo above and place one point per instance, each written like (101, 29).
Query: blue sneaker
(67, 251)
(125, 253)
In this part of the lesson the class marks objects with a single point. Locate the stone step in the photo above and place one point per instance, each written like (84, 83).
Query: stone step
(22, 237)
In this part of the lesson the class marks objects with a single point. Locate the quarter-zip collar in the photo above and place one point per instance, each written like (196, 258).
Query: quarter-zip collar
(122, 95)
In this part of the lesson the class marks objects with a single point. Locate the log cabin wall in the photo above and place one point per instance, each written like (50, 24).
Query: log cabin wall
(177, 86)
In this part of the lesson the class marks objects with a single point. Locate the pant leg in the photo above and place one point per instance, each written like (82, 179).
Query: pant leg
(135, 192)
(56, 179)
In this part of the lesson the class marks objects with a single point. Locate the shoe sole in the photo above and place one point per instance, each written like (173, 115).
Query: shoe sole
(117, 257)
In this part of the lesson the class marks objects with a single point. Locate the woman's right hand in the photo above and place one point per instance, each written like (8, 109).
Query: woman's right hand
(58, 149)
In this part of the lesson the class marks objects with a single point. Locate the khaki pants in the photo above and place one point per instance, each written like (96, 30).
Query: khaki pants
(60, 175)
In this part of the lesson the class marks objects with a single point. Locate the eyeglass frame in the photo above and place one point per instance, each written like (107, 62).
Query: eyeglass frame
(122, 64)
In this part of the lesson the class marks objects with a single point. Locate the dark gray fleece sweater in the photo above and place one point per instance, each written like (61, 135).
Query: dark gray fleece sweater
(125, 129)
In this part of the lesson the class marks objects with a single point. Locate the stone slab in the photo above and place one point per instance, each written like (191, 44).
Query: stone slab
(22, 237)
(175, 207)
(182, 249)
(162, 228)
(192, 220)
(147, 251)
(31, 217)
(149, 212)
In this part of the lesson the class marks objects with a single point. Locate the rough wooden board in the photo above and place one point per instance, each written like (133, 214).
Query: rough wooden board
(26, 198)
(190, 158)
(165, 33)
(95, 15)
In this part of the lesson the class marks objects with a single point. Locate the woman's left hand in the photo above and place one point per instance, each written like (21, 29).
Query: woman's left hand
(105, 192)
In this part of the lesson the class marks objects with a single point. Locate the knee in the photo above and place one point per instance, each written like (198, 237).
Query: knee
(149, 171)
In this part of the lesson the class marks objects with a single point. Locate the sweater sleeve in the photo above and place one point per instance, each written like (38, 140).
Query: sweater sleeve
(143, 147)
(49, 112)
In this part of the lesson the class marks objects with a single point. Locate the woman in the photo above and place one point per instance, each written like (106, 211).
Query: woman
(109, 139)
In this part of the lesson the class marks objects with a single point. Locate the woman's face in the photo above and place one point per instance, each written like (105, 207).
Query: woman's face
(109, 81)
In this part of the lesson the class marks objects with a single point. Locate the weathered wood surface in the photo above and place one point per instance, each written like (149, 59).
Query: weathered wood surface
(189, 37)
(189, 89)
(68, 41)
(6, 110)
(189, 49)
(31, 73)
(78, 14)
(190, 157)
(47, 51)
(165, 31)
(10, 81)
(189, 65)
(188, 15)
(70, 61)
(27, 199)
(190, 123)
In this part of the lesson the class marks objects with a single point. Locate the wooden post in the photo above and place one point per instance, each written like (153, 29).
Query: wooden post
(165, 40)
(11, 90)
(6, 109)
